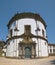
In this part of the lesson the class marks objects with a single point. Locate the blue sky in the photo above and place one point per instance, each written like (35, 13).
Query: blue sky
(46, 9)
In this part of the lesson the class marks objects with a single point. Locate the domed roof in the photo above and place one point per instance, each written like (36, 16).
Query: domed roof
(26, 15)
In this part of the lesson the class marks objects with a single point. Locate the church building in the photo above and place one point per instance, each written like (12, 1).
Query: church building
(27, 36)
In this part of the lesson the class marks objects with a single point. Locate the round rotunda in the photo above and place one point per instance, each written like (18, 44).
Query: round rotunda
(27, 36)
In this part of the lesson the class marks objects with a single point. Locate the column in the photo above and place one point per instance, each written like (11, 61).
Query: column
(33, 51)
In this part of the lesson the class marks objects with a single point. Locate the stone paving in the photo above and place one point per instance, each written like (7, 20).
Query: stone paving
(43, 61)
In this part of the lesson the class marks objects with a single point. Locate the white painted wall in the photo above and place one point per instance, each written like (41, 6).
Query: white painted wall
(51, 47)
(27, 21)
(12, 48)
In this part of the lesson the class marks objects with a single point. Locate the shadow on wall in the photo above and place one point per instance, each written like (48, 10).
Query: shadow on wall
(52, 62)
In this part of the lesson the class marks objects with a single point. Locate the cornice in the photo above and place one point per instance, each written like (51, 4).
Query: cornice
(26, 15)
(22, 36)
(51, 44)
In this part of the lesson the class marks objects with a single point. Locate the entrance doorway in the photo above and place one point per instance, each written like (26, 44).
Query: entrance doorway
(27, 52)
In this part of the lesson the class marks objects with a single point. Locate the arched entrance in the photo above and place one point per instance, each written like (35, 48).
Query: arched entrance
(27, 52)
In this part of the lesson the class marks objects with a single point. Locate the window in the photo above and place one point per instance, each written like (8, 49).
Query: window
(27, 29)
(50, 50)
(53, 50)
(43, 33)
(11, 32)
(45, 43)
(8, 43)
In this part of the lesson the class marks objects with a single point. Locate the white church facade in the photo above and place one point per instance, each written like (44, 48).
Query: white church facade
(27, 36)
